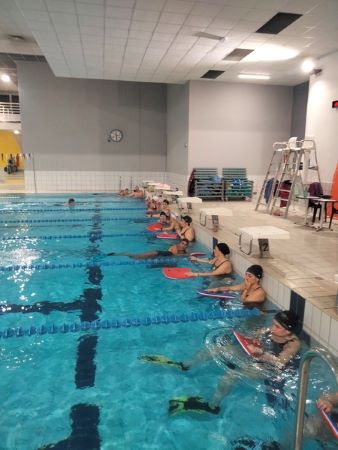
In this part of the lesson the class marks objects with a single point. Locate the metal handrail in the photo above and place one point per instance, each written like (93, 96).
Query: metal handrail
(302, 388)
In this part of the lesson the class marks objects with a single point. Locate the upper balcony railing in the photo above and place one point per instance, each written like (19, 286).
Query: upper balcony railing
(10, 112)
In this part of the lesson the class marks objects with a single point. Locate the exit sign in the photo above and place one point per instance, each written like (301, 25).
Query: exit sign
(335, 104)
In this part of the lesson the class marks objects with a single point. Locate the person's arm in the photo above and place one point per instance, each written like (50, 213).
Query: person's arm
(189, 234)
(222, 270)
(327, 402)
(202, 260)
(235, 287)
(255, 296)
(289, 351)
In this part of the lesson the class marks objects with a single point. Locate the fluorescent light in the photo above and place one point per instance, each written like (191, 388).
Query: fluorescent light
(253, 76)
(16, 132)
(308, 65)
(5, 78)
(272, 52)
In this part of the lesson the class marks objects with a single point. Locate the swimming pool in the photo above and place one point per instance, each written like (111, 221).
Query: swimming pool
(87, 389)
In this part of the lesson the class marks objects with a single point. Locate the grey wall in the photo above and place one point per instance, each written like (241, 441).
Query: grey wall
(298, 117)
(177, 128)
(66, 122)
(235, 125)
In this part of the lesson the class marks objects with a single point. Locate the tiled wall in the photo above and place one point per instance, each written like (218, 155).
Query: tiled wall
(86, 181)
(318, 327)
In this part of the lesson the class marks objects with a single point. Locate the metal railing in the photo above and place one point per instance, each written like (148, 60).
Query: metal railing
(302, 388)
(9, 112)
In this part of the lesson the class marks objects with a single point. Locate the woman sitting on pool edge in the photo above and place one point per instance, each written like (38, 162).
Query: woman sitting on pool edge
(220, 263)
(252, 293)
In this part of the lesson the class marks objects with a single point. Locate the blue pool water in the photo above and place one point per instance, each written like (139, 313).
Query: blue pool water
(87, 389)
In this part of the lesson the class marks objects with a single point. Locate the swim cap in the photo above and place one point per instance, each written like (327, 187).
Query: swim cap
(188, 219)
(155, 198)
(255, 270)
(223, 248)
(288, 320)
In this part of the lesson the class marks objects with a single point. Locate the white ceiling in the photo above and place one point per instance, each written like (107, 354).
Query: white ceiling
(153, 40)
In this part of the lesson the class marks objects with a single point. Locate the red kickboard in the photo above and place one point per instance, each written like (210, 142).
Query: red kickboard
(166, 236)
(332, 420)
(176, 273)
(215, 294)
(245, 341)
(154, 227)
(197, 254)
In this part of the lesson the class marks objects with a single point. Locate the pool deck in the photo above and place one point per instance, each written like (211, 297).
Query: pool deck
(306, 263)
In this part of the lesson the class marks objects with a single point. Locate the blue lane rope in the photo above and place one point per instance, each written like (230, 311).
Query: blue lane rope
(106, 219)
(127, 323)
(73, 236)
(134, 262)
(74, 209)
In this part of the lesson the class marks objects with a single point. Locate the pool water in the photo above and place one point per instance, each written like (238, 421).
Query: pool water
(88, 389)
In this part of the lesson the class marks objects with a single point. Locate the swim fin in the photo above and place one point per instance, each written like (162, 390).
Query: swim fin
(188, 404)
(111, 254)
(163, 360)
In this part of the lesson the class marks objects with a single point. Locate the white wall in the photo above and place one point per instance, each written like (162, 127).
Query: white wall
(235, 125)
(66, 122)
(322, 120)
(177, 128)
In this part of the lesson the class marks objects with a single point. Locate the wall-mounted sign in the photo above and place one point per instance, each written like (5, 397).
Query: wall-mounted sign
(335, 104)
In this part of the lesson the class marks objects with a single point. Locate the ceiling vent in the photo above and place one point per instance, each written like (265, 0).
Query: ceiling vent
(238, 54)
(201, 34)
(278, 23)
(212, 74)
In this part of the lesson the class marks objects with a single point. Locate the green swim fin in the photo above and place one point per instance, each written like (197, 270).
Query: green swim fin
(163, 360)
(188, 404)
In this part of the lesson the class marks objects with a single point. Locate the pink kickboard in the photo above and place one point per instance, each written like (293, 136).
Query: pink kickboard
(176, 273)
(166, 236)
(215, 294)
(245, 341)
(332, 420)
(154, 227)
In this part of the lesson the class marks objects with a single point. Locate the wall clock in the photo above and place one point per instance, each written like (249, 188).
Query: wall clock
(115, 135)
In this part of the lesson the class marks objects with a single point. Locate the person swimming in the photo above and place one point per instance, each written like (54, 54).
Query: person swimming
(252, 293)
(175, 250)
(279, 346)
(220, 263)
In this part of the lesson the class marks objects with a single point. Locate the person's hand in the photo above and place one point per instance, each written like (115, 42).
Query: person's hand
(325, 405)
(192, 258)
(257, 352)
(211, 290)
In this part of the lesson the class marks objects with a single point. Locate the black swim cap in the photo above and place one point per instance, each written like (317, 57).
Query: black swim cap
(288, 320)
(255, 270)
(223, 248)
(187, 219)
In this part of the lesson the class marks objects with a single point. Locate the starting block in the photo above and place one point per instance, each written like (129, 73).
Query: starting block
(172, 194)
(263, 234)
(187, 202)
(214, 214)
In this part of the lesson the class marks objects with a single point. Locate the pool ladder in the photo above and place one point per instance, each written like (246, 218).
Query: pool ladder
(302, 388)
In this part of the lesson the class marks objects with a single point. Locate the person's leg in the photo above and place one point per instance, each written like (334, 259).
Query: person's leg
(145, 255)
(222, 389)
(199, 357)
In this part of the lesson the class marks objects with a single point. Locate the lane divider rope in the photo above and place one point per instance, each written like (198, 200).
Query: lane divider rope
(74, 209)
(106, 219)
(89, 265)
(72, 236)
(127, 323)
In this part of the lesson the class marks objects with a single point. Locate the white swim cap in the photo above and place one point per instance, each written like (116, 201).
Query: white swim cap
(155, 198)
